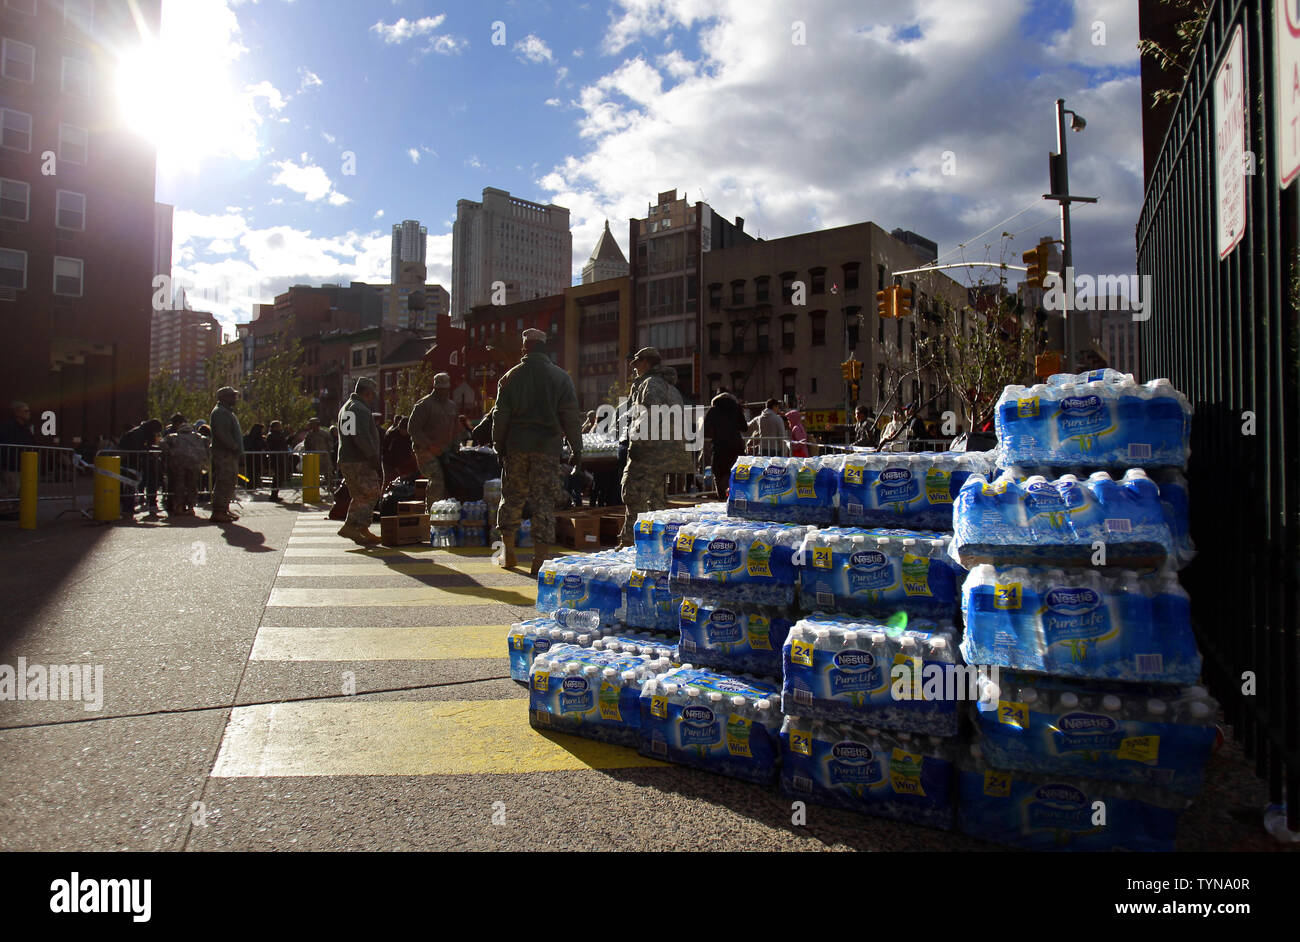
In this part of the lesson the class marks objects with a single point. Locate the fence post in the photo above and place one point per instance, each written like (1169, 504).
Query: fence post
(108, 504)
(27, 490)
(311, 479)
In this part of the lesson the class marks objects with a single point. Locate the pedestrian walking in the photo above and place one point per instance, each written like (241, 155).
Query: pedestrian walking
(724, 430)
(768, 432)
(536, 409)
(227, 454)
(434, 424)
(360, 460)
(319, 440)
(864, 431)
(277, 442)
(185, 452)
(651, 455)
(798, 435)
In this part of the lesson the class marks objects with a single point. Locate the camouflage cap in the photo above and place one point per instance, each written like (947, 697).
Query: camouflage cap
(646, 353)
(442, 381)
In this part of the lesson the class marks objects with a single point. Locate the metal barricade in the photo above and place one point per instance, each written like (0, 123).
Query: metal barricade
(56, 477)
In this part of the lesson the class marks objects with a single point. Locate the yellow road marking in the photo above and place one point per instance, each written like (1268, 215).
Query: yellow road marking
(296, 541)
(326, 597)
(429, 643)
(361, 567)
(457, 737)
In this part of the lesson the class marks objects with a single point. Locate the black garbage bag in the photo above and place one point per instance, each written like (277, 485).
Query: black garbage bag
(397, 492)
(465, 472)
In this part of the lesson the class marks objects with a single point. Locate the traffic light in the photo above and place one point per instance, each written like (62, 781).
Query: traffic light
(902, 301)
(854, 388)
(855, 367)
(846, 370)
(1036, 260)
(882, 302)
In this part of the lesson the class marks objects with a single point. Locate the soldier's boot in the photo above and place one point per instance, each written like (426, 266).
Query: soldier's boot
(222, 516)
(507, 558)
(541, 553)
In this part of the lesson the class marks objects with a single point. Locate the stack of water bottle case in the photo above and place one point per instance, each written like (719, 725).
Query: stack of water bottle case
(760, 640)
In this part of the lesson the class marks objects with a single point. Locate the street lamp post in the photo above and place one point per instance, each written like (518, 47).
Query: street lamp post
(1059, 174)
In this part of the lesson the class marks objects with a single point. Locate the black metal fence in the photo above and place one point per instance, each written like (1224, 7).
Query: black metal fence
(1225, 332)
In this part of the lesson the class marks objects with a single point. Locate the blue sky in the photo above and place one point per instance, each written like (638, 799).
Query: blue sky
(794, 115)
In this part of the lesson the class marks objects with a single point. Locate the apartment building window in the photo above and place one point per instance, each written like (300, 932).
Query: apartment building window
(73, 142)
(715, 339)
(715, 382)
(17, 61)
(787, 332)
(738, 337)
(715, 295)
(762, 337)
(76, 77)
(70, 210)
(16, 130)
(880, 277)
(818, 276)
(813, 390)
(68, 274)
(852, 329)
(880, 333)
(79, 13)
(22, 6)
(15, 200)
(13, 269)
(738, 291)
(911, 286)
(851, 276)
(819, 328)
(356, 357)
(787, 384)
(787, 286)
(761, 289)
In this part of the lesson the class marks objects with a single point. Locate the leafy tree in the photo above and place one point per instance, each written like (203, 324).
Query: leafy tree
(1177, 58)
(274, 389)
(413, 384)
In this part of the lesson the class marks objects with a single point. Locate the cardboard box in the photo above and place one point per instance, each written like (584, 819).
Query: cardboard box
(611, 525)
(580, 530)
(421, 488)
(404, 529)
(410, 507)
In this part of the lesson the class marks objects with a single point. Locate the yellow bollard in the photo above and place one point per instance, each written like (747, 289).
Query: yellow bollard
(311, 479)
(27, 491)
(108, 500)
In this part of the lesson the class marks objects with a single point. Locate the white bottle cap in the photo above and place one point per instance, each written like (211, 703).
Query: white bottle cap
(1069, 700)
(1156, 706)
(1111, 703)
(1029, 695)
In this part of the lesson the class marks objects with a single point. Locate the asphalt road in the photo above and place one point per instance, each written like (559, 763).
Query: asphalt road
(270, 686)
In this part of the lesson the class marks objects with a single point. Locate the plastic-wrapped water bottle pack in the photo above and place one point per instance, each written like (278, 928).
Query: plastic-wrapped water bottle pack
(1044, 522)
(444, 511)
(881, 489)
(596, 582)
(734, 636)
(901, 776)
(839, 669)
(651, 643)
(736, 560)
(650, 601)
(527, 639)
(729, 725)
(590, 693)
(849, 570)
(789, 490)
(444, 535)
(599, 446)
(1080, 623)
(473, 523)
(655, 532)
(1040, 812)
(1147, 734)
(1101, 423)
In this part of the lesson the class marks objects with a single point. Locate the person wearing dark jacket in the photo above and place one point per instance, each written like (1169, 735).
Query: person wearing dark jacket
(277, 442)
(13, 431)
(137, 445)
(254, 441)
(360, 460)
(725, 429)
(399, 459)
(227, 453)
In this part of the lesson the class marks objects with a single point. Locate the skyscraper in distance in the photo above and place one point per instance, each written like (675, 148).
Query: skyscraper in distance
(409, 238)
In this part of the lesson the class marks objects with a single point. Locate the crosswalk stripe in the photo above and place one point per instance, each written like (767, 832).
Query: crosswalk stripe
(295, 542)
(440, 737)
(426, 643)
(360, 567)
(325, 597)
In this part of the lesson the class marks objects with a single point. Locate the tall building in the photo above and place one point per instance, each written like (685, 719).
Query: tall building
(76, 241)
(503, 238)
(412, 304)
(162, 244)
(180, 342)
(607, 259)
(409, 238)
(668, 248)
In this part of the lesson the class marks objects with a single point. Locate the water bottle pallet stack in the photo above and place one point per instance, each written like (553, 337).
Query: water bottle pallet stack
(1073, 593)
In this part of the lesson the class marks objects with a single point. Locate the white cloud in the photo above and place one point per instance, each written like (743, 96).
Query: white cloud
(404, 29)
(329, 138)
(414, 154)
(533, 49)
(221, 246)
(473, 161)
(447, 45)
(308, 179)
(577, 53)
(379, 214)
(561, 74)
(266, 92)
(553, 102)
(308, 79)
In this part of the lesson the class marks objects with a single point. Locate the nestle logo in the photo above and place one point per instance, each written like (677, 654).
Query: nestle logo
(1086, 723)
(731, 686)
(773, 471)
(722, 546)
(1080, 403)
(1081, 599)
(724, 618)
(852, 750)
(1061, 794)
(895, 475)
(573, 582)
(541, 644)
(697, 715)
(853, 660)
(575, 685)
(867, 559)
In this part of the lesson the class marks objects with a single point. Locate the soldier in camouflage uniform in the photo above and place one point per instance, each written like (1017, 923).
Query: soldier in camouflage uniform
(360, 461)
(227, 454)
(434, 424)
(536, 408)
(650, 459)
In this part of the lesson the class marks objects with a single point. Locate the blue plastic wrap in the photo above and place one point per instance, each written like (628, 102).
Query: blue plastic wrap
(734, 636)
(916, 491)
(788, 490)
(878, 571)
